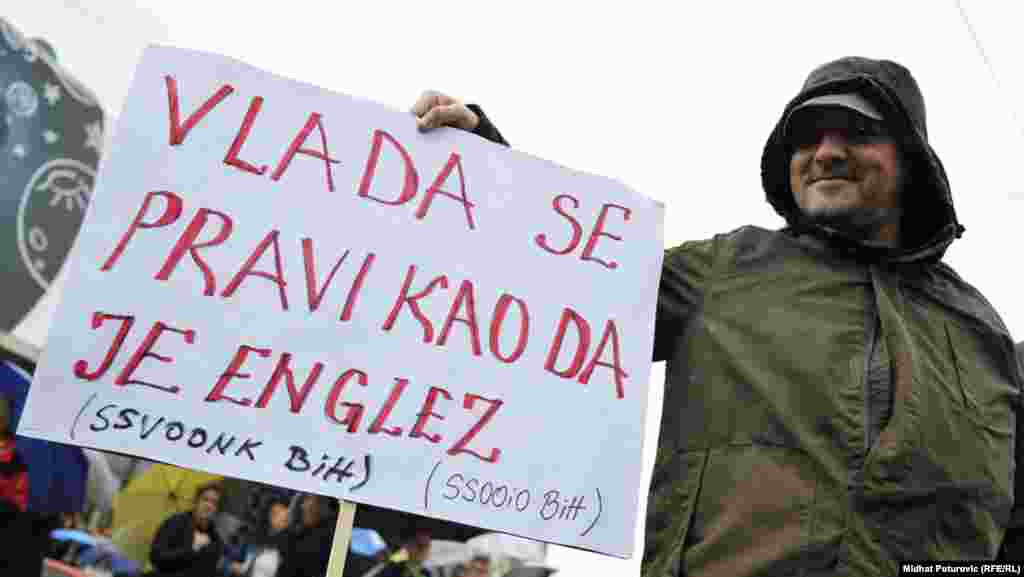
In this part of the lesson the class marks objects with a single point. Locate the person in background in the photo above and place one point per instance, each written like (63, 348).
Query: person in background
(408, 560)
(261, 551)
(478, 566)
(187, 544)
(13, 472)
(357, 565)
(18, 555)
(309, 545)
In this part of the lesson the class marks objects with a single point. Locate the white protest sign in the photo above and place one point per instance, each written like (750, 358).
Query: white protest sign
(283, 284)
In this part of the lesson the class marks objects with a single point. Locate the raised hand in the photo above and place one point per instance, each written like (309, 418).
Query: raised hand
(434, 109)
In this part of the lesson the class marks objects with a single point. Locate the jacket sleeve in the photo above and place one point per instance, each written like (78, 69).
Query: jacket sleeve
(287, 567)
(167, 552)
(486, 129)
(1012, 548)
(684, 272)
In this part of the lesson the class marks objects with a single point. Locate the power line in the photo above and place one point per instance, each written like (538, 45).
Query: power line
(988, 64)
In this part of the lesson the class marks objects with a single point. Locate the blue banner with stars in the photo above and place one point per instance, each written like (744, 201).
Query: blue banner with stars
(51, 138)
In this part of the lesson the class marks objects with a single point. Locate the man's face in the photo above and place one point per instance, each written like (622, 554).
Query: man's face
(310, 511)
(419, 548)
(846, 171)
(206, 507)
(278, 517)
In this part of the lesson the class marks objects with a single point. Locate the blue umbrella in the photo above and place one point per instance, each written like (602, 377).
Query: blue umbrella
(73, 535)
(366, 542)
(98, 552)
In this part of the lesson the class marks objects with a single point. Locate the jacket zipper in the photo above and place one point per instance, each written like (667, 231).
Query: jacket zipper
(871, 349)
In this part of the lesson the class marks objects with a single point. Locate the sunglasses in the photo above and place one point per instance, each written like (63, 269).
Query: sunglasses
(807, 126)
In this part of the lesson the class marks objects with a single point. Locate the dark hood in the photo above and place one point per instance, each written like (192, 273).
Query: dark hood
(929, 223)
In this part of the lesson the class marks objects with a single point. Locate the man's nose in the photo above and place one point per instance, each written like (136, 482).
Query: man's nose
(831, 146)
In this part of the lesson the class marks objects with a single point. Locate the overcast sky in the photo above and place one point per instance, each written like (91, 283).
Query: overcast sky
(675, 102)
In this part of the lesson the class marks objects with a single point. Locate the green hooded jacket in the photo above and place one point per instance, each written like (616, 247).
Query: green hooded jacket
(832, 408)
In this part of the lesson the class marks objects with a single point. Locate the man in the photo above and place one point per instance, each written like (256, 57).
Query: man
(309, 548)
(18, 529)
(838, 400)
(187, 544)
(13, 473)
(408, 560)
(258, 552)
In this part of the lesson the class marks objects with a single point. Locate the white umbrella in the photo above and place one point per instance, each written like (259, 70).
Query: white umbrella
(445, 553)
(502, 545)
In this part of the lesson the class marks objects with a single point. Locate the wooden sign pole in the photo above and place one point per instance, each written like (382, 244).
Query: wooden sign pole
(342, 538)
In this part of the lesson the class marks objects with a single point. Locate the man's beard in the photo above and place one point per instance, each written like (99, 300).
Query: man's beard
(862, 224)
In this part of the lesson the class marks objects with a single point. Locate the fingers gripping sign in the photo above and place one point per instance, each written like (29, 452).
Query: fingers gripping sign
(434, 109)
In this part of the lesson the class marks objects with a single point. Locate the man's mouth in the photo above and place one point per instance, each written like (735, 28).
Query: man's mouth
(828, 178)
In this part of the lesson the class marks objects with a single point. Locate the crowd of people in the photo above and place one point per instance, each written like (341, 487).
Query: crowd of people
(189, 544)
(292, 538)
(233, 528)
